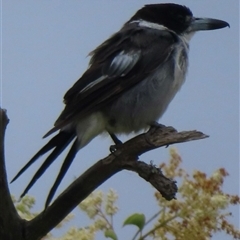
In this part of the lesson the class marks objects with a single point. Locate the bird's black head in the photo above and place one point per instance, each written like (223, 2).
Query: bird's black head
(176, 17)
(173, 16)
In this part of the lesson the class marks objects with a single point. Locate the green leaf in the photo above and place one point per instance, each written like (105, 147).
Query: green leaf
(136, 219)
(110, 234)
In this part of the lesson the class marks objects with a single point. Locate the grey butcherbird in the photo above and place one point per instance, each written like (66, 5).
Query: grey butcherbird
(131, 79)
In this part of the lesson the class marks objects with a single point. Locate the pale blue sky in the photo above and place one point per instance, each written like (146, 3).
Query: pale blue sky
(44, 49)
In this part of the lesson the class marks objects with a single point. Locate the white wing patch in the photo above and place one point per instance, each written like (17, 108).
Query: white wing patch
(120, 66)
(123, 63)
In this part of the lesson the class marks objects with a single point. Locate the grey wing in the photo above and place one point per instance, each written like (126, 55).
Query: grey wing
(115, 67)
(122, 64)
(81, 100)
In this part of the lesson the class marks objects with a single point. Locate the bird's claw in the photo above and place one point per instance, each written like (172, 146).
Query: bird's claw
(113, 148)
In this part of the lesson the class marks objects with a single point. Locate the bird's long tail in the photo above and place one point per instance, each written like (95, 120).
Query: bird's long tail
(58, 143)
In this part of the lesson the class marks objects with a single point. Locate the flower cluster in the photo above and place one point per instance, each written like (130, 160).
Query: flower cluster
(201, 207)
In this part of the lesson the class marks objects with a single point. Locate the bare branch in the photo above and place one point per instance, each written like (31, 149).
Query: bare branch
(10, 222)
(124, 158)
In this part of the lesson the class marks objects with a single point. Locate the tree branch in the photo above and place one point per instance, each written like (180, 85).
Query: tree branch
(124, 158)
(10, 222)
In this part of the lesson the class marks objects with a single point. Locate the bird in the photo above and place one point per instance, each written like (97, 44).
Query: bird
(130, 81)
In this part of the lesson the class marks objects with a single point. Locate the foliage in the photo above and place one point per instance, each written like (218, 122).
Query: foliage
(24, 208)
(200, 211)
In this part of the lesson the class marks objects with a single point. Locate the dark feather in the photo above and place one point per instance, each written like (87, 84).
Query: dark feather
(80, 103)
(58, 143)
(65, 166)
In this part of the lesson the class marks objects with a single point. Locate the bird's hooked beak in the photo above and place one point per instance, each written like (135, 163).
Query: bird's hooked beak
(199, 24)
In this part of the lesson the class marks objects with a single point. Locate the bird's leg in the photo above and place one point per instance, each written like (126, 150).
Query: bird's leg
(115, 139)
(117, 142)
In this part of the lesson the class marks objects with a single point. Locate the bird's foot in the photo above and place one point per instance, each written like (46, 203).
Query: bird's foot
(156, 125)
(113, 148)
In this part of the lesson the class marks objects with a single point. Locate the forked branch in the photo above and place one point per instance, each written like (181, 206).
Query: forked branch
(124, 158)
